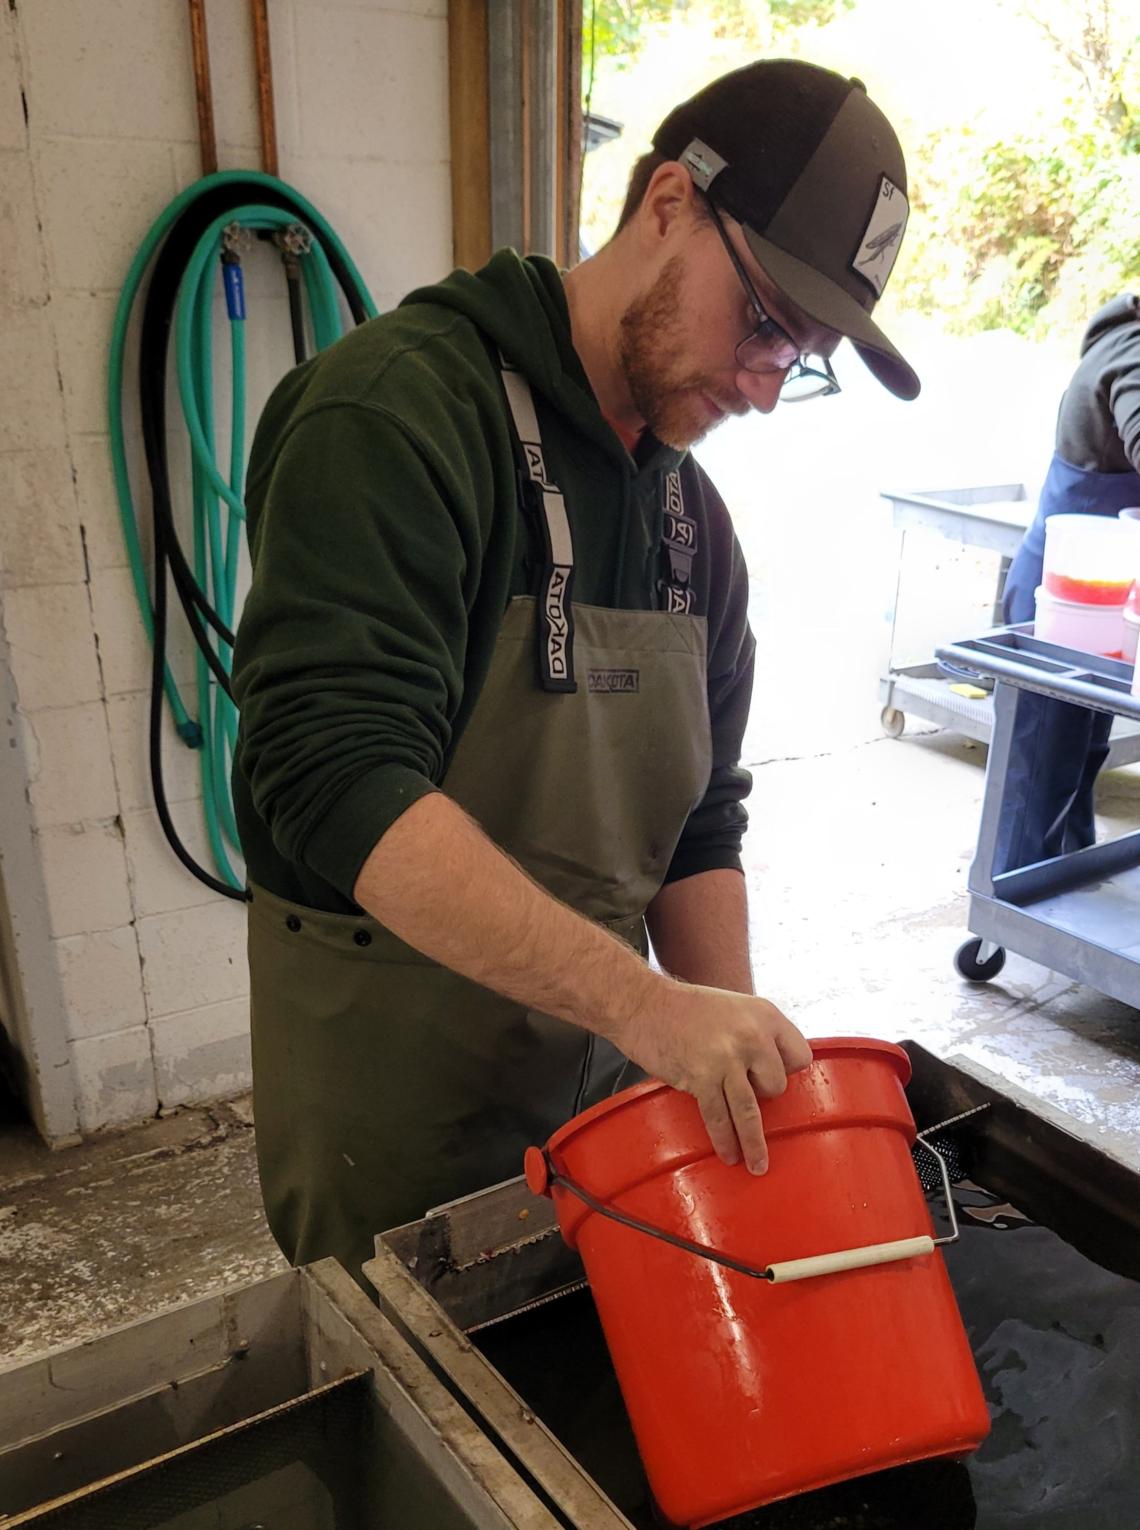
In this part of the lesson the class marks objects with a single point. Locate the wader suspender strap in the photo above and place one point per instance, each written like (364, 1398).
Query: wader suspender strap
(555, 609)
(679, 543)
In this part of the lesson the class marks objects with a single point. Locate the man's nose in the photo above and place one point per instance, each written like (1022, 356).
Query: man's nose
(761, 389)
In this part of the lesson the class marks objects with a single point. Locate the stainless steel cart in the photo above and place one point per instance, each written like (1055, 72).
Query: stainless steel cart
(1078, 914)
(993, 517)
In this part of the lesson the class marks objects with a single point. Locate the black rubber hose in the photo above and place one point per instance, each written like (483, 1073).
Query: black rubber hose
(296, 310)
(157, 674)
(158, 315)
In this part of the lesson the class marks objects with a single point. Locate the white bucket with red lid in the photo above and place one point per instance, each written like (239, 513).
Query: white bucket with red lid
(1095, 629)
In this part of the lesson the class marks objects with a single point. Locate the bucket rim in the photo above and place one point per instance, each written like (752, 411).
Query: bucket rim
(1045, 597)
(822, 1047)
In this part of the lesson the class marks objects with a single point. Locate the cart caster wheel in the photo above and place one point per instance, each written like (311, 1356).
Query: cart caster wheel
(893, 721)
(974, 971)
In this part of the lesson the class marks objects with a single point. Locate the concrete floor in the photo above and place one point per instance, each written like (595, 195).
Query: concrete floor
(858, 862)
(125, 1224)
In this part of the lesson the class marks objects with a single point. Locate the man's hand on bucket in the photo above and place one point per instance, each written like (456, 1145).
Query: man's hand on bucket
(728, 1050)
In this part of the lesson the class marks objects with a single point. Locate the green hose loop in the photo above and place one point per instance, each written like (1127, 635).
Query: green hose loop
(200, 272)
(216, 549)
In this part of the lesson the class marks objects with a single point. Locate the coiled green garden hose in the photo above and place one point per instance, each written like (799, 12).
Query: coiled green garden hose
(211, 220)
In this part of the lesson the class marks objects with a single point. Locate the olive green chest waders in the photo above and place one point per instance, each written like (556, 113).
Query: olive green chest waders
(385, 1084)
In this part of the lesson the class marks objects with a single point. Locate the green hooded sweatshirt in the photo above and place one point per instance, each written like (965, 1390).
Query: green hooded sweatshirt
(387, 538)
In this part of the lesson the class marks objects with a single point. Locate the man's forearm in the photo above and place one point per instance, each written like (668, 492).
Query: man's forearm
(441, 885)
(699, 930)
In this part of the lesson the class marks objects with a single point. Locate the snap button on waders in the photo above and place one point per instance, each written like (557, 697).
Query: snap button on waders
(362, 937)
(292, 923)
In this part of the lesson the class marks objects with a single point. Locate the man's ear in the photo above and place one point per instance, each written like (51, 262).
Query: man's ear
(668, 202)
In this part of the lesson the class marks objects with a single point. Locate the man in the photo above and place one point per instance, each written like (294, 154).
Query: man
(1058, 748)
(495, 666)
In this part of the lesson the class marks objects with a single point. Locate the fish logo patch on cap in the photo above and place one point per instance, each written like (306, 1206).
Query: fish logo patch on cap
(875, 258)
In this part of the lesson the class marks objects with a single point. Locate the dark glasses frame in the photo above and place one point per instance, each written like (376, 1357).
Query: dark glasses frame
(807, 376)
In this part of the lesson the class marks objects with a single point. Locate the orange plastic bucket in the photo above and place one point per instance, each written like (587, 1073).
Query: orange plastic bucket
(742, 1391)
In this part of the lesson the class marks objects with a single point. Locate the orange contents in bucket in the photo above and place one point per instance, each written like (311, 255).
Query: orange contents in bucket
(1088, 592)
(742, 1391)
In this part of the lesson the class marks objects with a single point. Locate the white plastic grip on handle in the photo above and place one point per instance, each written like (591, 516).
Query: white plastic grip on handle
(848, 1259)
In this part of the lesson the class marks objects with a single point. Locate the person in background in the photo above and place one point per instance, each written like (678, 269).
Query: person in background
(495, 666)
(1058, 748)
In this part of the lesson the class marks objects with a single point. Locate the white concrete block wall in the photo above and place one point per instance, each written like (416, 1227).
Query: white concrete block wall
(139, 976)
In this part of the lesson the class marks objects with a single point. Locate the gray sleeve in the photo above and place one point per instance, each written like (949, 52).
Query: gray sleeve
(1098, 422)
(1124, 401)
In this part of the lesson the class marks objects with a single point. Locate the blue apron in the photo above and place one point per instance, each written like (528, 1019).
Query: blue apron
(1058, 748)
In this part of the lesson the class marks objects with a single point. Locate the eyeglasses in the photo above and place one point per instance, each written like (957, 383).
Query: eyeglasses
(769, 347)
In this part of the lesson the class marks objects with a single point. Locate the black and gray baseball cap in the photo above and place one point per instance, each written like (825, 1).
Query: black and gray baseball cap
(809, 166)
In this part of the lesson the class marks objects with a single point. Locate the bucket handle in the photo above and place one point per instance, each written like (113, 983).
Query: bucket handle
(545, 1175)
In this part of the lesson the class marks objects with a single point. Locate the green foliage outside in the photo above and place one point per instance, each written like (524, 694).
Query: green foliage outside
(617, 28)
(1036, 230)
(1028, 225)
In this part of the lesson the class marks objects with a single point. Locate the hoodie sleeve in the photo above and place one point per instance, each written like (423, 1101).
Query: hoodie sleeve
(1098, 419)
(353, 646)
(711, 839)
(1124, 397)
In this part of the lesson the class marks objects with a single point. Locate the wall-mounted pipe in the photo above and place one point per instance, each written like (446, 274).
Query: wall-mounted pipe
(207, 142)
(265, 112)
